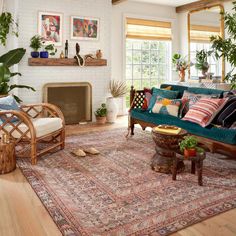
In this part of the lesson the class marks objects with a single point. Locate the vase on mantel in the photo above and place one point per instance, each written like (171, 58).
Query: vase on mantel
(112, 109)
(181, 75)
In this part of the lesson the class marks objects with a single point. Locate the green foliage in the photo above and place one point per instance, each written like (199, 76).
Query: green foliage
(6, 61)
(201, 60)
(36, 42)
(180, 62)
(6, 23)
(51, 49)
(188, 142)
(226, 47)
(101, 111)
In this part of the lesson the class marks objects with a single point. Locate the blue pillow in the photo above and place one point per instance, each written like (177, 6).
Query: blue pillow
(206, 91)
(170, 94)
(9, 103)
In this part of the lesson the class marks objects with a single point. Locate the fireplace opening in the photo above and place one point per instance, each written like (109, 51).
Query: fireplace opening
(74, 100)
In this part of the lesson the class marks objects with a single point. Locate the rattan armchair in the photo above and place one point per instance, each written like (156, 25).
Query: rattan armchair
(36, 129)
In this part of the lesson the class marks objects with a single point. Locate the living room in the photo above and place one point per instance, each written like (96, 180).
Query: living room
(117, 117)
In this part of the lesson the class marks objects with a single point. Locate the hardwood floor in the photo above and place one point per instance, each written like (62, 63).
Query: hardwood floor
(22, 213)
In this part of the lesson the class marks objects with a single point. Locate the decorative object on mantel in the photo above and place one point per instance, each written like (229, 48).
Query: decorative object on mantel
(99, 54)
(62, 55)
(181, 65)
(84, 28)
(100, 114)
(48, 50)
(117, 89)
(201, 62)
(6, 61)
(226, 47)
(36, 44)
(80, 60)
(66, 49)
(50, 27)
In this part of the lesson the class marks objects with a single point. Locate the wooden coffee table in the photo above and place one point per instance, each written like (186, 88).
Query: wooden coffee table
(167, 145)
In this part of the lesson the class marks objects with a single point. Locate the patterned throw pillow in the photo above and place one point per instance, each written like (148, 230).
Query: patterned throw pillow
(204, 111)
(167, 106)
(148, 95)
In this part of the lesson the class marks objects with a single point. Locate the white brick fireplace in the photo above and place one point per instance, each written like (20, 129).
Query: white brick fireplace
(36, 76)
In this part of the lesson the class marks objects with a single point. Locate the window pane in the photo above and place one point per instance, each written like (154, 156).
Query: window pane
(128, 44)
(145, 45)
(137, 57)
(154, 57)
(154, 45)
(128, 56)
(128, 71)
(146, 71)
(154, 71)
(145, 57)
(137, 84)
(137, 71)
(146, 83)
(137, 44)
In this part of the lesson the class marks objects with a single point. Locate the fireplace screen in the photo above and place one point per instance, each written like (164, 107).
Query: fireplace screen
(74, 100)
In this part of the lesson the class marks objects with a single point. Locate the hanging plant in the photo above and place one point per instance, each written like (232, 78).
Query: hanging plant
(7, 23)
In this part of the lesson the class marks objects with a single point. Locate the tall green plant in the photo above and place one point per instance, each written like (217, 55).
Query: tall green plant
(6, 23)
(226, 47)
(6, 61)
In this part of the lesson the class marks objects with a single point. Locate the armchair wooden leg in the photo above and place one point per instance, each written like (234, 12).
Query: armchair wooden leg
(33, 153)
(62, 139)
(132, 126)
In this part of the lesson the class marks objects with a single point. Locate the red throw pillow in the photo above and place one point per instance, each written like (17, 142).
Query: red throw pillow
(148, 95)
(204, 111)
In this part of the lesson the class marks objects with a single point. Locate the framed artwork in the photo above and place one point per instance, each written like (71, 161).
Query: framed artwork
(50, 27)
(84, 28)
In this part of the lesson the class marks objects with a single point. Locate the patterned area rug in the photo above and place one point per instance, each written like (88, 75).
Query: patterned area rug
(117, 193)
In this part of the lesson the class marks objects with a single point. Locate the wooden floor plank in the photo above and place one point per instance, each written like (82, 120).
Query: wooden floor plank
(22, 213)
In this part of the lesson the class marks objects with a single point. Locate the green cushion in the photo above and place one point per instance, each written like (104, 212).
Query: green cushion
(221, 135)
(178, 88)
(206, 91)
(162, 93)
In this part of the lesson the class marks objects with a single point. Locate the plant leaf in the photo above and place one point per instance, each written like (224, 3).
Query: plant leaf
(12, 57)
(20, 86)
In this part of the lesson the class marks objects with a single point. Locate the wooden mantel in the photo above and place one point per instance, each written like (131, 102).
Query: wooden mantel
(64, 62)
(114, 2)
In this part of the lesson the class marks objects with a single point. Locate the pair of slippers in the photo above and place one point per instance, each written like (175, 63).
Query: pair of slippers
(82, 152)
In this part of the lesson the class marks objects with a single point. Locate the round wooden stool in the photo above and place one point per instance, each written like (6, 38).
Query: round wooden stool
(7, 157)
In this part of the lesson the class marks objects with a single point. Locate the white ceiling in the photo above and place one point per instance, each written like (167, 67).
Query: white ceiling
(173, 3)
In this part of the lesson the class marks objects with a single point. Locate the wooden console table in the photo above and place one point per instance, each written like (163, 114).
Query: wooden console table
(7, 157)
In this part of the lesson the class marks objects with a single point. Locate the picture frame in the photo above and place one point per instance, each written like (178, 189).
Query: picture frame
(50, 27)
(84, 28)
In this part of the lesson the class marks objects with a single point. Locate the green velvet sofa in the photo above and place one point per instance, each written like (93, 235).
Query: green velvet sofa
(215, 139)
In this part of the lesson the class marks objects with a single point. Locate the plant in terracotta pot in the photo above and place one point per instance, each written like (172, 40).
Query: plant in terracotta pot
(201, 61)
(117, 89)
(101, 113)
(189, 146)
(181, 64)
(36, 44)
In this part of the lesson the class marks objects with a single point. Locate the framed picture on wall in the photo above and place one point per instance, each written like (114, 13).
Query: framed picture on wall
(50, 27)
(84, 28)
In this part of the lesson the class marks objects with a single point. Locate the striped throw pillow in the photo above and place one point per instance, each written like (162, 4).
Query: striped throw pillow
(204, 111)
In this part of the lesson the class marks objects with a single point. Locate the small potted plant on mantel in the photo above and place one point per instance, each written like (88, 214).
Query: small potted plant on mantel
(189, 146)
(101, 113)
(35, 44)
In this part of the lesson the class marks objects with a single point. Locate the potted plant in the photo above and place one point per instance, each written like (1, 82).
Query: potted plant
(226, 47)
(201, 61)
(35, 44)
(181, 65)
(6, 61)
(7, 22)
(117, 89)
(101, 113)
(188, 146)
(48, 50)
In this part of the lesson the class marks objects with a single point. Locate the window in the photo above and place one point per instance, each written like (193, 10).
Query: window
(148, 53)
(200, 39)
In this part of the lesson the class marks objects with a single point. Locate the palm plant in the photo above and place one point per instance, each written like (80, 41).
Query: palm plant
(226, 47)
(117, 88)
(6, 61)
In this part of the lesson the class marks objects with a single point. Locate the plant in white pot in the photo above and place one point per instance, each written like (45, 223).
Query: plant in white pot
(117, 89)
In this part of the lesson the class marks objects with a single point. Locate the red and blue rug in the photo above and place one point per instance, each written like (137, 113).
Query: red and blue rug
(117, 193)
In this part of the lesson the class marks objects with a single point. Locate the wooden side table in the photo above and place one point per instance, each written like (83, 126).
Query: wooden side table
(7, 157)
(196, 162)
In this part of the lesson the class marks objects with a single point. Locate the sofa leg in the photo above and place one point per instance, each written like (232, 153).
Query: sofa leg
(132, 128)
(62, 140)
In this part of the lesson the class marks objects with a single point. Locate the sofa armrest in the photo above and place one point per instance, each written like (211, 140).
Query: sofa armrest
(43, 110)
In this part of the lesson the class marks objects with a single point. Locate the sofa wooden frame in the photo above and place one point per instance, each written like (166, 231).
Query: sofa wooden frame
(28, 137)
(136, 101)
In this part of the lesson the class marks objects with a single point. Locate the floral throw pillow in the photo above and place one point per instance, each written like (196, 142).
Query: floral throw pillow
(167, 106)
(148, 95)
(204, 111)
